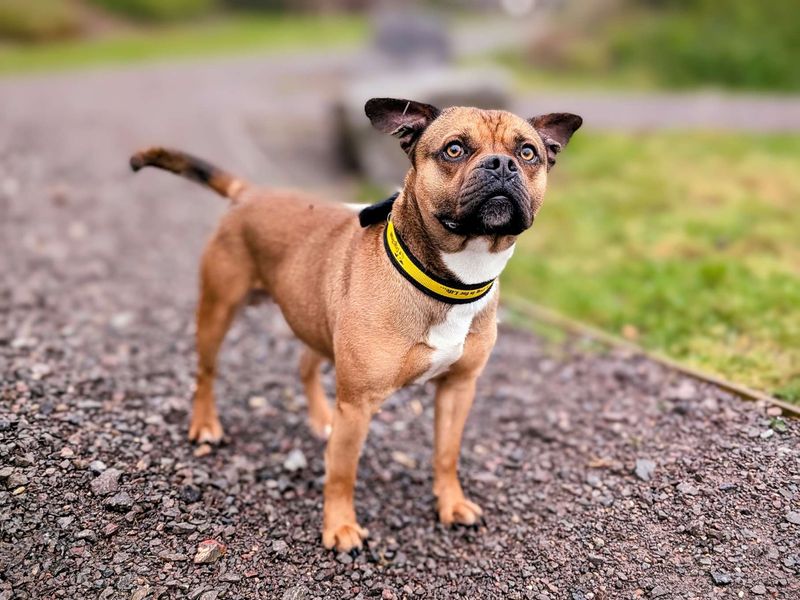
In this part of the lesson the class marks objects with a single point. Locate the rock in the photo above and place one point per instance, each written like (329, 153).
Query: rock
(106, 483)
(644, 468)
(759, 589)
(720, 577)
(280, 547)
(793, 517)
(191, 493)
(172, 556)
(209, 551)
(299, 592)
(658, 591)
(64, 522)
(686, 390)
(16, 480)
(257, 402)
(86, 534)
(6, 472)
(141, 593)
(687, 488)
(97, 466)
(119, 502)
(202, 450)
(344, 558)
(295, 461)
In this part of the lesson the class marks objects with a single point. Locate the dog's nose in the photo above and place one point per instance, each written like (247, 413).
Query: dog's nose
(501, 164)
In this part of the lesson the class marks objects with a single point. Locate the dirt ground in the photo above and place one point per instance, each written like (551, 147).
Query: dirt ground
(602, 475)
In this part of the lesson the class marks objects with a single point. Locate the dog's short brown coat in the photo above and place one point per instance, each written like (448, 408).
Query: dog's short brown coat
(343, 298)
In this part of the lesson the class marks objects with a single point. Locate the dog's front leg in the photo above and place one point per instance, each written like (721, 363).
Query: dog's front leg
(350, 425)
(454, 396)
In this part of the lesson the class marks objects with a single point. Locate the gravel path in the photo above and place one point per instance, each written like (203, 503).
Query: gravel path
(603, 476)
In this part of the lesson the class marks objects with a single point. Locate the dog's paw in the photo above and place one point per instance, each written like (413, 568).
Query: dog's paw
(460, 510)
(344, 537)
(205, 431)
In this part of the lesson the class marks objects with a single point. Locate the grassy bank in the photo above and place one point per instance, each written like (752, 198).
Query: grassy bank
(686, 243)
(239, 34)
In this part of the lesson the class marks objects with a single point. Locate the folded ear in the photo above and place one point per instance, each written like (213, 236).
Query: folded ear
(555, 130)
(404, 119)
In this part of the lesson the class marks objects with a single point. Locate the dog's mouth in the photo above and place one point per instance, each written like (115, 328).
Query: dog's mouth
(499, 212)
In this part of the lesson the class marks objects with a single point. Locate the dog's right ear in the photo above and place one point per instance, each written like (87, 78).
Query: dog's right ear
(404, 119)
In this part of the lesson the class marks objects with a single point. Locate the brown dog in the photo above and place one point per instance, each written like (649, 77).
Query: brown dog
(407, 293)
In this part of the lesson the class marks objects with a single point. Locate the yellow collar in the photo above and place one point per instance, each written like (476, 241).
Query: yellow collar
(451, 292)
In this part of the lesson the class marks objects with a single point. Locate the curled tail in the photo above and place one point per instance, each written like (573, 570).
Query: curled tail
(190, 167)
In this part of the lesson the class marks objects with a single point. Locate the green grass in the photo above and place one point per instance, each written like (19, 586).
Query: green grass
(688, 243)
(232, 35)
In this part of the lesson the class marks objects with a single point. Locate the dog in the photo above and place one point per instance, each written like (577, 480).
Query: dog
(405, 293)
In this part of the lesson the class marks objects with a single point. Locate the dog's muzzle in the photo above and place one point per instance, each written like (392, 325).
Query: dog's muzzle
(493, 200)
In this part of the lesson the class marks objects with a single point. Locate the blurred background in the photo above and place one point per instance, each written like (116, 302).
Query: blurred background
(671, 220)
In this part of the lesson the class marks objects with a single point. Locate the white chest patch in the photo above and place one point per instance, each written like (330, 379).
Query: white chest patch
(447, 338)
(474, 264)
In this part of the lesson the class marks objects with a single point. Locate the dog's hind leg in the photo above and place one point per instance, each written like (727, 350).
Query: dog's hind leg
(319, 411)
(225, 281)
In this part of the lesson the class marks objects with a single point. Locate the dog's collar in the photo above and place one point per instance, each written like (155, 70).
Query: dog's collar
(448, 291)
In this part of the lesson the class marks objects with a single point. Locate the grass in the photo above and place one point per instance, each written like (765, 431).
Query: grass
(688, 244)
(237, 34)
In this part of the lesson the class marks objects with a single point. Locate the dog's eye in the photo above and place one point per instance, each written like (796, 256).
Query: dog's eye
(454, 150)
(527, 153)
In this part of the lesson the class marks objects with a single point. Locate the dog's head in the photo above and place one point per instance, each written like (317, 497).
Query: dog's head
(474, 172)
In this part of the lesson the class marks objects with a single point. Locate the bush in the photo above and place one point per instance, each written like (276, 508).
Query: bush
(737, 43)
(158, 10)
(38, 20)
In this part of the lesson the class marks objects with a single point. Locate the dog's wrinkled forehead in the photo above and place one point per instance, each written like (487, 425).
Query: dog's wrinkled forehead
(490, 130)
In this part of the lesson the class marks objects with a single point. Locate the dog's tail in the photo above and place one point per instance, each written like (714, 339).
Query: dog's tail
(190, 167)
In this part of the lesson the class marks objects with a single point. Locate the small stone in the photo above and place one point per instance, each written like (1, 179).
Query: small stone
(97, 466)
(110, 529)
(141, 593)
(67, 452)
(64, 522)
(16, 480)
(86, 534)
(295, 461)
(793, 517)
(344, 558)
(280, 547)
(766, 434)
(658, 591)
(299, 592)
(687, 488)
(644, 468)
(202, 450)
(404, 459)
(257, 402)
(759, 589)
(720, 577)
(172, 556)
(209, 551)
(388, 594)
(6, 472)
(119, 502)
(191, 493)
(685, 391)
(106, 483)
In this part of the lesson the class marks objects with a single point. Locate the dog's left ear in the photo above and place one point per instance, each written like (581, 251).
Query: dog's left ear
(555, 130)
(404, 119)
